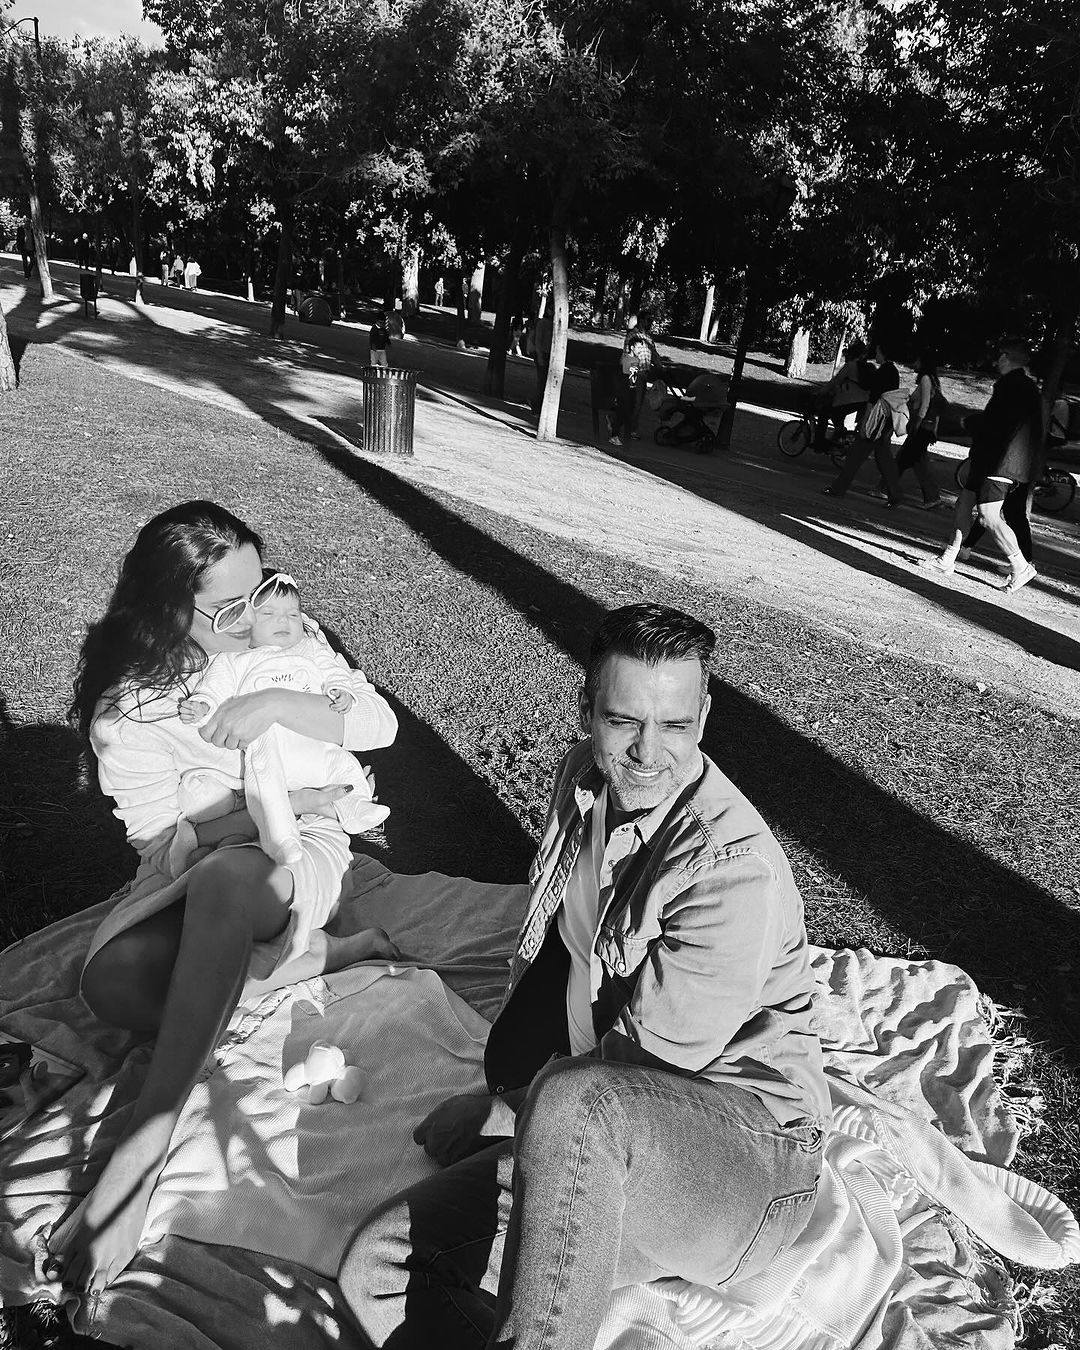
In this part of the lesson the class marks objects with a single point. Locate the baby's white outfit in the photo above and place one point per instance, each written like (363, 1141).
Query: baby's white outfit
(280, 760)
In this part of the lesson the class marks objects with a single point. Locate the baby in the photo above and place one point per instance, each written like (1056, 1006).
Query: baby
(283, 652)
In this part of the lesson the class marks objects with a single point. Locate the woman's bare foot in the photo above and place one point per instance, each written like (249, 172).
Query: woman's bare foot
(95, 1243)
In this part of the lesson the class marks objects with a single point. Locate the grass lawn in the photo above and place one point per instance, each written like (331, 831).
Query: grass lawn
(922, 817)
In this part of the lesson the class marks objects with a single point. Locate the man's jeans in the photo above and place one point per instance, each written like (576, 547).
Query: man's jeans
(619, 1174)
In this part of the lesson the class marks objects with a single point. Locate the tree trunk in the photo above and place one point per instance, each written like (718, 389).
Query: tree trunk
(495, 374)
(410, 280)
(747, 329)
(798, 353)
(600, 299)
(476, 292)
(548, 427)
(41, 250)
(283, 273)
(136, 224)
(838, 354)
(706, 313)
(8, 379)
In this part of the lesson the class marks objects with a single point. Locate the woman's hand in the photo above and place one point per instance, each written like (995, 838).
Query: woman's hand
(463, 1125)
(238, 721)
(318, 801)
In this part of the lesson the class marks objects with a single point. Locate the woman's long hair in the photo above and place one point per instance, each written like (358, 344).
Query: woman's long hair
(144, 637)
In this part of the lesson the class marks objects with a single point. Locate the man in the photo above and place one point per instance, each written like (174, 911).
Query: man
(657, 1097)
(21, 237)
(1006, 451)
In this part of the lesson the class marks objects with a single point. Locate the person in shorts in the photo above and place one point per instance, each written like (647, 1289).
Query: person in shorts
(1006, 449)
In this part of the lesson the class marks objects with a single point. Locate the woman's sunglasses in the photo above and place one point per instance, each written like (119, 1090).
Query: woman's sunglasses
(241, 611)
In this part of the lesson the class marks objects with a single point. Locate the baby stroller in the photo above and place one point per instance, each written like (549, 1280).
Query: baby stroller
(686, 417)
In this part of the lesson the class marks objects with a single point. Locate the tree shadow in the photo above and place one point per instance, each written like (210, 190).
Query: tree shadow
(909, 868)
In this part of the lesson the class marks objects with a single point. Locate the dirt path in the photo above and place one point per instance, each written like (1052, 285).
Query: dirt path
(745, 521)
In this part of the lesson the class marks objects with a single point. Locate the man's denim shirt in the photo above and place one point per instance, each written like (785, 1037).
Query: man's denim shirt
(701, 944)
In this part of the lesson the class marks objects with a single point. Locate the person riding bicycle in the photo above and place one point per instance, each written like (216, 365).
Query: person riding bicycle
(845, 393)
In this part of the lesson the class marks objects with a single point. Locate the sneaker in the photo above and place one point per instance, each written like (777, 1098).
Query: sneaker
(614, 440)
(936, 564)
(964, 555)
(1019, 579)
(931, 506)
(878, 495)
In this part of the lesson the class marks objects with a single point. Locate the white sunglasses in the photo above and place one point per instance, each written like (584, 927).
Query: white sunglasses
(240, 611)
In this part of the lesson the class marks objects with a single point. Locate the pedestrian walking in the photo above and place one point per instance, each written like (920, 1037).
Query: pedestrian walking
(82, 251)
(635, 366)
(440, 291)
(164, 259)
(192, 273)
(25, 251)
(1006, 453)
(874, 428)
(925, 405)
(178, 270)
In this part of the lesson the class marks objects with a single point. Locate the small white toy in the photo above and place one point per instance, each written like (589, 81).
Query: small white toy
(324, 1073)
(347, 1088)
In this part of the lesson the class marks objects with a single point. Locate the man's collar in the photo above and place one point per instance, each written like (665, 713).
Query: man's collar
(590, 781)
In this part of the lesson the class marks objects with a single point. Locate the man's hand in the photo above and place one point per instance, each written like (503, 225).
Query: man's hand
(463, 1125)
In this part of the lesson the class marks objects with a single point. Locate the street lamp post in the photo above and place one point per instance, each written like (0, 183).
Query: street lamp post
(782, 194)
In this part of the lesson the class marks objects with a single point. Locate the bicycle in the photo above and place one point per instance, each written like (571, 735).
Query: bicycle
(794, 437)
(1053, 493)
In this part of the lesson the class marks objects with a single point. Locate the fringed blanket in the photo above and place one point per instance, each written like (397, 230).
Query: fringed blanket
(262, 1190)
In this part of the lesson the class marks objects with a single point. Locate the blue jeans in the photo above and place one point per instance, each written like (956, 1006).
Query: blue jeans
(617, 1174)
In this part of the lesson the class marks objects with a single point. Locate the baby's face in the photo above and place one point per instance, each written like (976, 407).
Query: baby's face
(277, 622)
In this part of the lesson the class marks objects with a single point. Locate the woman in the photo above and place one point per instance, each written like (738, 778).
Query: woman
(172, 957)
(923, 405)
(874, 428)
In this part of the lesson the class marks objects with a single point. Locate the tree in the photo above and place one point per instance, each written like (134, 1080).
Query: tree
(27, 127)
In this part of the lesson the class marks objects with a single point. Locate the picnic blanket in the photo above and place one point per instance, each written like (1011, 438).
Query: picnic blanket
(262, 1190)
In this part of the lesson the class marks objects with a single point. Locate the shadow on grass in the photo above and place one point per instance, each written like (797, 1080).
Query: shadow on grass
(1038, 639)
(445, 815)
(910, 869)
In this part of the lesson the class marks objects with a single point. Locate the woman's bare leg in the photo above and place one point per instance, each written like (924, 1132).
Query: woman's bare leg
(234, 898)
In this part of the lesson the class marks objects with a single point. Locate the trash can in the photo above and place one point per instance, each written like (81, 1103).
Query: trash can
(389, 404)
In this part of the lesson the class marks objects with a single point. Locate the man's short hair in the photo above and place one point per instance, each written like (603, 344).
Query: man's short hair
(1017, 349)
(649, 633)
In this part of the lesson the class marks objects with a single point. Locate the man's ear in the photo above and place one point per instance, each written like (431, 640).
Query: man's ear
(584, 712)
(706, 705)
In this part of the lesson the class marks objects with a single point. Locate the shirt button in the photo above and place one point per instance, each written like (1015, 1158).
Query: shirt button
(620, 966)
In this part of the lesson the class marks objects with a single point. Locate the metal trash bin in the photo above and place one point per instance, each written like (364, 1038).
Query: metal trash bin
(389, 405)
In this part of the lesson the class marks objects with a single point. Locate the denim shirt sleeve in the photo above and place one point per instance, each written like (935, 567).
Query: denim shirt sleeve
(702, 981)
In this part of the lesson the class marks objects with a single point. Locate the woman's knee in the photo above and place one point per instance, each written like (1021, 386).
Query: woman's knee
(126, 982)
(244, 885)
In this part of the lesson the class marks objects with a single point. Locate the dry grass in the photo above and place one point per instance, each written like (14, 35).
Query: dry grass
(921, 816)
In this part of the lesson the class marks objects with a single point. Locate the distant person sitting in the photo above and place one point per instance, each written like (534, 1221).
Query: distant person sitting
(379, 340)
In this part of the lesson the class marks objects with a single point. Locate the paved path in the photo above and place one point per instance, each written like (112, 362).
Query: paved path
(746, 521)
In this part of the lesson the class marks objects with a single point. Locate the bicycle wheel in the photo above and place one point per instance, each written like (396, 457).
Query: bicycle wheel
(793, 437)
(1055, 491)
